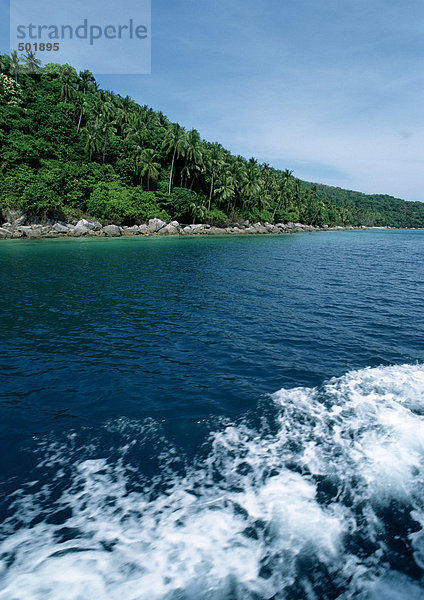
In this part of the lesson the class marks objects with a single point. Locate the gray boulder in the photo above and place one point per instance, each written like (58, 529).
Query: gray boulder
(168, 230)
(60, 228)
(4, 233)
(16, 217)
(33, 233)
(84, 223)
(156, 225)
(130, 230)
(112, 230)
(143, 229)
(216, 231)
(80, 230)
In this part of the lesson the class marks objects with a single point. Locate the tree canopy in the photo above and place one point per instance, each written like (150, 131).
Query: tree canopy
(68, 148)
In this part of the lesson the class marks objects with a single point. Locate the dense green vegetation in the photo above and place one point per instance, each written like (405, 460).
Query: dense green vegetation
(69, 148)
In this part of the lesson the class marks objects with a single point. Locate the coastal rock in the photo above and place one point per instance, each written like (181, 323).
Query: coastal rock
(156, 225)
(80, 230)
(4, 233)
(33, 233)
(15, 217)
(197, 227)
(112, 230)
(130, 230)
(60, 228)
(84, 223)
(259, 228)
(16, 234)
(175, 224)
(143, 229)
(216, 231)
(168, 230)
(90, 225)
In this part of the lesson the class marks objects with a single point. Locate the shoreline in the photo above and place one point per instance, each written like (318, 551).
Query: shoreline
(155, 227)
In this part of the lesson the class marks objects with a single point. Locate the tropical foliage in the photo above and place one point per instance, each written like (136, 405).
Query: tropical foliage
(70, 148)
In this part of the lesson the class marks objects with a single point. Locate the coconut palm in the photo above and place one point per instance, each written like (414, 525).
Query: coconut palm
(175, 142)
(214, 160)
(92, 137)
(107, 127)
(67, 81)
(283, 191)
(124, 111)
(32, 64)
(197, 209)
(193, 155)
(148, 166)
(14, 64)
(226, 188)
(251, 185)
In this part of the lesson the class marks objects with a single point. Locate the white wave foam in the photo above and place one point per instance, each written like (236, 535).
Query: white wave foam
(264, 516)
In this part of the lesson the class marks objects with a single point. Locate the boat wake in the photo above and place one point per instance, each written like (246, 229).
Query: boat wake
(323, 500)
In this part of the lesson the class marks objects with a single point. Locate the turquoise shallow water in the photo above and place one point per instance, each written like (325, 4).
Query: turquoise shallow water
(213, 417)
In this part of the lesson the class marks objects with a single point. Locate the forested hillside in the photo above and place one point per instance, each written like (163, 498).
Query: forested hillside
(71, 149)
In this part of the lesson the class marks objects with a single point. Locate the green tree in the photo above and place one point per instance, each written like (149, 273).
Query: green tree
(214, 161)
(198, 210)
(175, 143)
(32, 64)
(148, 166)
(14, 64)
(92, 138)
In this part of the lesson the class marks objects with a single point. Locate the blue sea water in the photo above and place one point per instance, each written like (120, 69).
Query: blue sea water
(213, 417)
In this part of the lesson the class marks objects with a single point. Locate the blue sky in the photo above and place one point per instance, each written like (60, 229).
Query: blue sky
(333, 89)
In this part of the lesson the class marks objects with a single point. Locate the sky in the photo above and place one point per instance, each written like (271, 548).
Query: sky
(332, 89)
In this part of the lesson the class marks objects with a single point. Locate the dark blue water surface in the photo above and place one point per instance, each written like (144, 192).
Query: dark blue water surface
(183, 385)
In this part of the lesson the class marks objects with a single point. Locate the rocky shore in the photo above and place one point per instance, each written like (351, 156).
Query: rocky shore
(18, 227)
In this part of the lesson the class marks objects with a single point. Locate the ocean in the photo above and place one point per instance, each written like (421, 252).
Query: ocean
(213, 418)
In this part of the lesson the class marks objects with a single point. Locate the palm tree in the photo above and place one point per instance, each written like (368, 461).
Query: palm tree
(32, 64)
(107, 127)
(197, 209)
(193, 154)
(175, 142)
(148, 166)
(283, 191)
(225, 189)
(124, 111)
(105, 106)
(67, 84)
(14, 64)
(251, 185)
(92, 137)
(215, 163)
(85, 82)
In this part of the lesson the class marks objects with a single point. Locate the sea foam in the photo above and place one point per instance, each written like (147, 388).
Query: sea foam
(325, 503)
